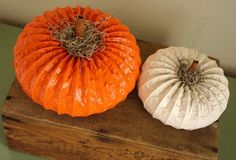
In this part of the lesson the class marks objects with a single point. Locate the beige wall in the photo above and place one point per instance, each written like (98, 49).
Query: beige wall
(208, 25)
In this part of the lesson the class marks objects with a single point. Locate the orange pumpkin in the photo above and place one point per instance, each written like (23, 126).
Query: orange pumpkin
(59, 79)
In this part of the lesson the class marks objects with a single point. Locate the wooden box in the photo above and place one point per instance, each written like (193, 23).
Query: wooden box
(126, 132)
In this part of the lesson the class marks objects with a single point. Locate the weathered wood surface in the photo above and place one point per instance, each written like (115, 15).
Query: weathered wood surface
(125, 132)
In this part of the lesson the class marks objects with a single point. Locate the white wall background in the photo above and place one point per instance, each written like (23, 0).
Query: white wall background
(208, 25)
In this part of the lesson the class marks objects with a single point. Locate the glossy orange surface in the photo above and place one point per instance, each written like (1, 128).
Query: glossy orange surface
(72, 85)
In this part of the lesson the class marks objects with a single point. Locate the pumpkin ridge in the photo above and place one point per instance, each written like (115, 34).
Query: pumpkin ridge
(125, 76)
(38, 37)
(114, 59)
(172, 59)
(69, 13)
(121, 41)
(65, 88)
(165, 58)
(46, 97)
(159, 79)
(170, 93)
(209, 88)
(162, 86)
(49, 18)
(86, 11)
(158, 71)
(110, 66)
(94, 86)
(122, 54)
(34, 56)
(21, 50)
(101, 65)
(160, 64)
(166, 110)
(122, 34)
(86, 88)
(179, 96)
(215, 82)
(39, 56)
(73, 82)
(211, 95)
(39, 52)
(216, 77)
(77, 10)
(188, 104)
(78, 88)
(91, 87)
(36, 30)
(93, 15)
(134, 54)
(200, 108)
(47, 67)
(114, 65)
(28, 49)
(76, 85)
(31, 71)
(63, 13)
(116, 27)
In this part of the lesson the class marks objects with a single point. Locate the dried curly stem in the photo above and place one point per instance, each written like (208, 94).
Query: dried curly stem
(80, 39)
(189, 75)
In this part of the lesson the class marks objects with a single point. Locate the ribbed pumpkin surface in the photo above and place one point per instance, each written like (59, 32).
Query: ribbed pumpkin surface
(72, 85)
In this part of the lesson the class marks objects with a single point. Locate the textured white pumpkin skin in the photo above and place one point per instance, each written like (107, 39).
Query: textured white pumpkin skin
(166, 98)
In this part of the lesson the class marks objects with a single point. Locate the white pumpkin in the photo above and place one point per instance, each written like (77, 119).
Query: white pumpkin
(183, 88)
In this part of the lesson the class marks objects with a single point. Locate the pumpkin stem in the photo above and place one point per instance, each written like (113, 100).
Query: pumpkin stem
(193, 66)
(189, 75)
(80, 38)
(80, 26)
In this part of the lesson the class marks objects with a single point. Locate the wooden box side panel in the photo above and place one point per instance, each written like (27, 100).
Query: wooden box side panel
(47, 140)
(128, 120)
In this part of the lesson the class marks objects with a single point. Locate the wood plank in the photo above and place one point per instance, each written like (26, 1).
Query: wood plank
(125, 132)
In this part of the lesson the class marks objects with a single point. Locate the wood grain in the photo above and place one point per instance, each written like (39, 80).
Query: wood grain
(125, 132)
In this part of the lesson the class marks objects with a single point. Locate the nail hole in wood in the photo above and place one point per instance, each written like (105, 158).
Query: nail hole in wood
(9, 97)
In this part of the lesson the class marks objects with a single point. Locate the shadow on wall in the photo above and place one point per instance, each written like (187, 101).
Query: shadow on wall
(11, 22)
